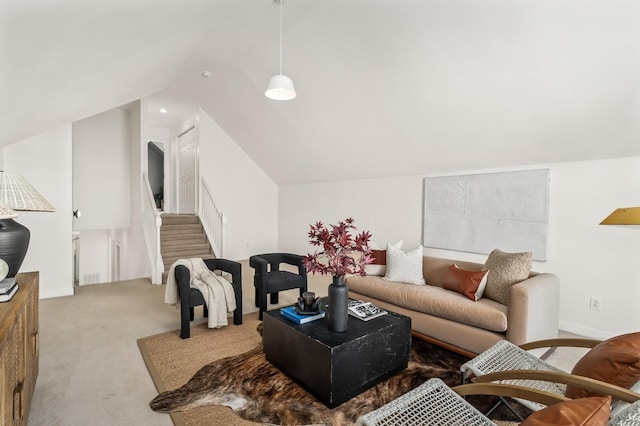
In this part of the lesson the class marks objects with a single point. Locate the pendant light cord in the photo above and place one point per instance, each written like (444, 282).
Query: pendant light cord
(281, 36)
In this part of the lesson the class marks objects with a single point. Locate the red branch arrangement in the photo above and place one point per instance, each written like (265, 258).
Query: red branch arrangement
(338, 247)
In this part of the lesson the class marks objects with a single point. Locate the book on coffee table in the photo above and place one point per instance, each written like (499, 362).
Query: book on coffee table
(364, 311)
(290, 313)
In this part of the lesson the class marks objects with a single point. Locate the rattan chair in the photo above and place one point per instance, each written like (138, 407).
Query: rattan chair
(434, 403)
(505, 362)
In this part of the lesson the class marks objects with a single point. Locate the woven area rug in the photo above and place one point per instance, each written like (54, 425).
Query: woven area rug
(230, 359)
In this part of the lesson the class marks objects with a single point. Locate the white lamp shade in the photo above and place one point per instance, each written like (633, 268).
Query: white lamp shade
(280, 88)
(629, 217)
(18, 194)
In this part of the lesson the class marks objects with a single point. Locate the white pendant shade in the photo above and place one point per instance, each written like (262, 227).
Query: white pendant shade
(280, 88)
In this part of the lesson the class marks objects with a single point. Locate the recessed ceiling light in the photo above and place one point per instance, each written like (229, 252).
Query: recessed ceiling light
(206, 74)
(163, 110)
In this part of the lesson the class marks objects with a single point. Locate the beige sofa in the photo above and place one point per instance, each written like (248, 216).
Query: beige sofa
(451, 320)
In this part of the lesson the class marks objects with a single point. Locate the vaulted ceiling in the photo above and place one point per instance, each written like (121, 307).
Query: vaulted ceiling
(385, 88)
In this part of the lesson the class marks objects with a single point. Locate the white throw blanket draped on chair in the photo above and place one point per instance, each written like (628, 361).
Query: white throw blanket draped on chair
(217, 291)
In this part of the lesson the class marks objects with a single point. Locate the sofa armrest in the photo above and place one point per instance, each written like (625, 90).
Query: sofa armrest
(533, 308)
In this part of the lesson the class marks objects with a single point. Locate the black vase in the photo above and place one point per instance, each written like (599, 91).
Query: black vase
(337, 315)
(14, 241)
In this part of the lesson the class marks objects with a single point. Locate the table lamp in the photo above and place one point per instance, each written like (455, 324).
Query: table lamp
(624, 216)
(16, 194)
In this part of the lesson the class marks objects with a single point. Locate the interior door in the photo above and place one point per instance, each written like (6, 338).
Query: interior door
(187, 156)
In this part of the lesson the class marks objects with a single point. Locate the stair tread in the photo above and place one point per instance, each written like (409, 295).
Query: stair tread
(181, 228)
(185, 254)
(179, 218)
(185, 243)
(178, 234)
(166, 251)
(170, 259)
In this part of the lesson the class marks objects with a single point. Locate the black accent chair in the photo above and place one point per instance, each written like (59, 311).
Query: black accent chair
(269, 279)
(190, 297)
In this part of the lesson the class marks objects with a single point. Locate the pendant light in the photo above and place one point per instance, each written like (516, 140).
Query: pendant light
(280, 86)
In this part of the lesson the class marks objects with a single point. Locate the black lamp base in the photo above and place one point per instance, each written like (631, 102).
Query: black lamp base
(14, 242)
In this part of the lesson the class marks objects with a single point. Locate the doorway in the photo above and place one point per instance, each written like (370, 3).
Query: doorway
(187, 157)
(155, 155)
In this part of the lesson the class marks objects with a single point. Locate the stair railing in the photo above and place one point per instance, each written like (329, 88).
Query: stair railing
(151, 222)
(212, 219)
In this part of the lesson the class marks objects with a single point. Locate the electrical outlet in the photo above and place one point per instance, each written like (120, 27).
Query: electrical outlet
(594, 304)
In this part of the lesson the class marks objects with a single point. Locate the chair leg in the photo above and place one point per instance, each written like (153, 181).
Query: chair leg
(274, 298)
(191, 313)
(505, 402)
(205, 311)
(185, 331)
(263, 305)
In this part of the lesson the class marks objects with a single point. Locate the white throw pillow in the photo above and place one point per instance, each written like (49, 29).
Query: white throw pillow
(396, 246)
(404, 267)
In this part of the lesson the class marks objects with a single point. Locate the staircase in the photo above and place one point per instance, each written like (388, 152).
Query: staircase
(182, 237)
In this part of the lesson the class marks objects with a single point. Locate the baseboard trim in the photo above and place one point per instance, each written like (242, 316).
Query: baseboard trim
(581, 330)
(57, 293)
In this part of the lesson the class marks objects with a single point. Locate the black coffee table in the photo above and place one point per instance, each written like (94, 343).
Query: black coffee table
(335, 367)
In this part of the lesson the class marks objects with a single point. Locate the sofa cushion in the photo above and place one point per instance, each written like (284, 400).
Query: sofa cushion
(468, 283)
(434, 269)
(433, 300)
(505, 269)
(615, 361)
(404, 267)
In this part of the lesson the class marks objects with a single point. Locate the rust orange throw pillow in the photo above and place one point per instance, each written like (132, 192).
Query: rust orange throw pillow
(467, 283)
(615, 361)
(379, 264)
(379, 257)
(578, 412)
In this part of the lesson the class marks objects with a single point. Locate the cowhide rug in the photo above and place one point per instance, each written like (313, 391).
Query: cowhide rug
(259, 392)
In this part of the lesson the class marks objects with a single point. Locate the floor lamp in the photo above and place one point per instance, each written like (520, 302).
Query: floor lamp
(16, 194)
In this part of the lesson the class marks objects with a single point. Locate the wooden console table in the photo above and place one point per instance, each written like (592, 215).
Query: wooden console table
(19, 350)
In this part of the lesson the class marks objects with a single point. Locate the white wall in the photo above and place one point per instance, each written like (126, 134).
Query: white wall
(120, 127)
(135, 258)
(107, 172)
(244, 193)
(94, 247)
(390, 208)
(45, 161)
(591, 260)
(101, 172)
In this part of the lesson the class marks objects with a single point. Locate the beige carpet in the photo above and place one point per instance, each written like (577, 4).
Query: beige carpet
(172, 361)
